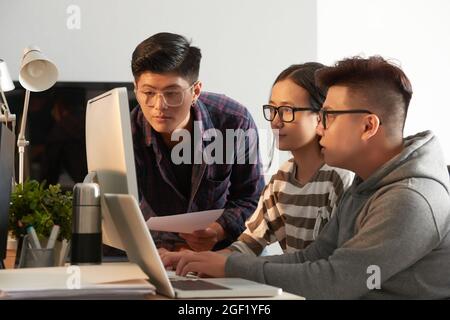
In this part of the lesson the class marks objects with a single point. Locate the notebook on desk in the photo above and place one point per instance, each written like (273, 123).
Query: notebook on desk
(137, 240)
(108, 280)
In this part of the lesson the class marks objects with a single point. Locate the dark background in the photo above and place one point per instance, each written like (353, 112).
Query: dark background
(56, 129)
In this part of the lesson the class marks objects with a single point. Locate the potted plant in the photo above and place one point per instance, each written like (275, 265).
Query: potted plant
(32, 203)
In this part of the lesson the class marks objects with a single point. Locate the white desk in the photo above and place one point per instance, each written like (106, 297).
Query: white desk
(119, 277)
(282, 296)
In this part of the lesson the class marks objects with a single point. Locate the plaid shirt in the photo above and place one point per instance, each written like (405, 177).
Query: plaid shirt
(234, 187)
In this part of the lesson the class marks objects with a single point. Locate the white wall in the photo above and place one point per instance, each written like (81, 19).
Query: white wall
(414, 32)
(245, 44)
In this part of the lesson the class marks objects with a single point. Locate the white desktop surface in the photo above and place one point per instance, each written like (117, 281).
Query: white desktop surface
(120, 275)
(282, 296)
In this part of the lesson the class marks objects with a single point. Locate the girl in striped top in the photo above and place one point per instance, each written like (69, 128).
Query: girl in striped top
(301, 197)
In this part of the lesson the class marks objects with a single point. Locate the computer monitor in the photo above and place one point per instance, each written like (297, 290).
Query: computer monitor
(110, 155)
(6, 179)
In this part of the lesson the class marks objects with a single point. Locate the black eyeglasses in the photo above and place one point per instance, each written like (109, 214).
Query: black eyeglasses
(324, 115)
(285, 113)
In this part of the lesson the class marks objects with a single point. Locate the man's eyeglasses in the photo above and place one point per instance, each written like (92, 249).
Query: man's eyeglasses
(328, 116)
(171, 98)
(285, 113)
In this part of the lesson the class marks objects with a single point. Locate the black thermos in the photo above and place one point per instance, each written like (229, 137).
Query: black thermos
(86, 225)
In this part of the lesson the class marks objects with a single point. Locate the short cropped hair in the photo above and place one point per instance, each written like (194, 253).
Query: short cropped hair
(167, 53)
(382, 84)
(303, 76)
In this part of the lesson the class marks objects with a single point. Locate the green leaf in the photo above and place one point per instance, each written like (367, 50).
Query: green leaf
(34, 204)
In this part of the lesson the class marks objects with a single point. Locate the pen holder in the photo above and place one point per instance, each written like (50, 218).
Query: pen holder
(34, 258)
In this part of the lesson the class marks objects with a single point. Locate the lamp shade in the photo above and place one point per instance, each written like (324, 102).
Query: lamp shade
(37, 72)
(6, 83)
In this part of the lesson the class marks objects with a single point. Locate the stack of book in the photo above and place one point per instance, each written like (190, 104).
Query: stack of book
(109, 281)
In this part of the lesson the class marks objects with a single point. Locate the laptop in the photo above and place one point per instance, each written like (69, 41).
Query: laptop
(138, 242)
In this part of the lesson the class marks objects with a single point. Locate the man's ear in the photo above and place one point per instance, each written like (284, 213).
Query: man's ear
(371, 126)
(197, 91)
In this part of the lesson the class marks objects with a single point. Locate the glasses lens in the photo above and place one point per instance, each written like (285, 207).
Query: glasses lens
(269, 112)
(286, 114)
(173, 98)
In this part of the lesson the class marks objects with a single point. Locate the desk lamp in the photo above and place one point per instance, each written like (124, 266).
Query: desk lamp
(37, 73)
(6, 85)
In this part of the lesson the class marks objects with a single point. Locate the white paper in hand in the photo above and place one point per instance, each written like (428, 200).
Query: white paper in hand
(185, 222)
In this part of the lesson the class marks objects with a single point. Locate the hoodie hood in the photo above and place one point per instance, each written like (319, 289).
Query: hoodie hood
(422, 157)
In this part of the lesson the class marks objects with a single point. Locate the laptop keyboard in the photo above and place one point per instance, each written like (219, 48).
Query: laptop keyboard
(194, 284)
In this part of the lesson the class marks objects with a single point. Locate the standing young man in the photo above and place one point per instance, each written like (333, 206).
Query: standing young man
(174, 180)
(390, 236)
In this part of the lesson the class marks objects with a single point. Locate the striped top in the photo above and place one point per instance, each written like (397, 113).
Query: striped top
(291, 213)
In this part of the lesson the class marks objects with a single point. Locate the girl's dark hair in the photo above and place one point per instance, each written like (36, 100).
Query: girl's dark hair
(303, 75)
(167, 53)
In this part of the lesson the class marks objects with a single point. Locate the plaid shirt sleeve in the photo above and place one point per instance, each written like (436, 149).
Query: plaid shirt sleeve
(247, 183)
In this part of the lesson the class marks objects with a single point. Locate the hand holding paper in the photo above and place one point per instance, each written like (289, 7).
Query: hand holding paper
(185, 222)
(204, 240)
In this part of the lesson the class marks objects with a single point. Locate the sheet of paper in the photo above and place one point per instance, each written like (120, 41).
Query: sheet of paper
(185, 222)
(136, 289)
(105, 279)
(57, 276)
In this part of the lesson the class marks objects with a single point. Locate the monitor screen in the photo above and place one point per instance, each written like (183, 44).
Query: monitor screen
(109, 150)
(6, 180)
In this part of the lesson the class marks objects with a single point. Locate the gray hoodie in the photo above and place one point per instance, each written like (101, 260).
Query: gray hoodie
(395, 224)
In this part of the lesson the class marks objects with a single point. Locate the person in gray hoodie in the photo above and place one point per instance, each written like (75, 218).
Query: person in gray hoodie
(390, 236)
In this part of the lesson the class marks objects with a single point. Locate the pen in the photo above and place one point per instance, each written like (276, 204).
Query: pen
(65, 248)
(34, 241)
(53, 237)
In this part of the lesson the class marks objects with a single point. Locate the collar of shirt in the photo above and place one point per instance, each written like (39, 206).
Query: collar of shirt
(203, 122)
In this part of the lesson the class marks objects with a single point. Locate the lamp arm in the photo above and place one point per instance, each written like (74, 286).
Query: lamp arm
(5, 102)
(5, 114)
(6, 117)
(21, 141)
